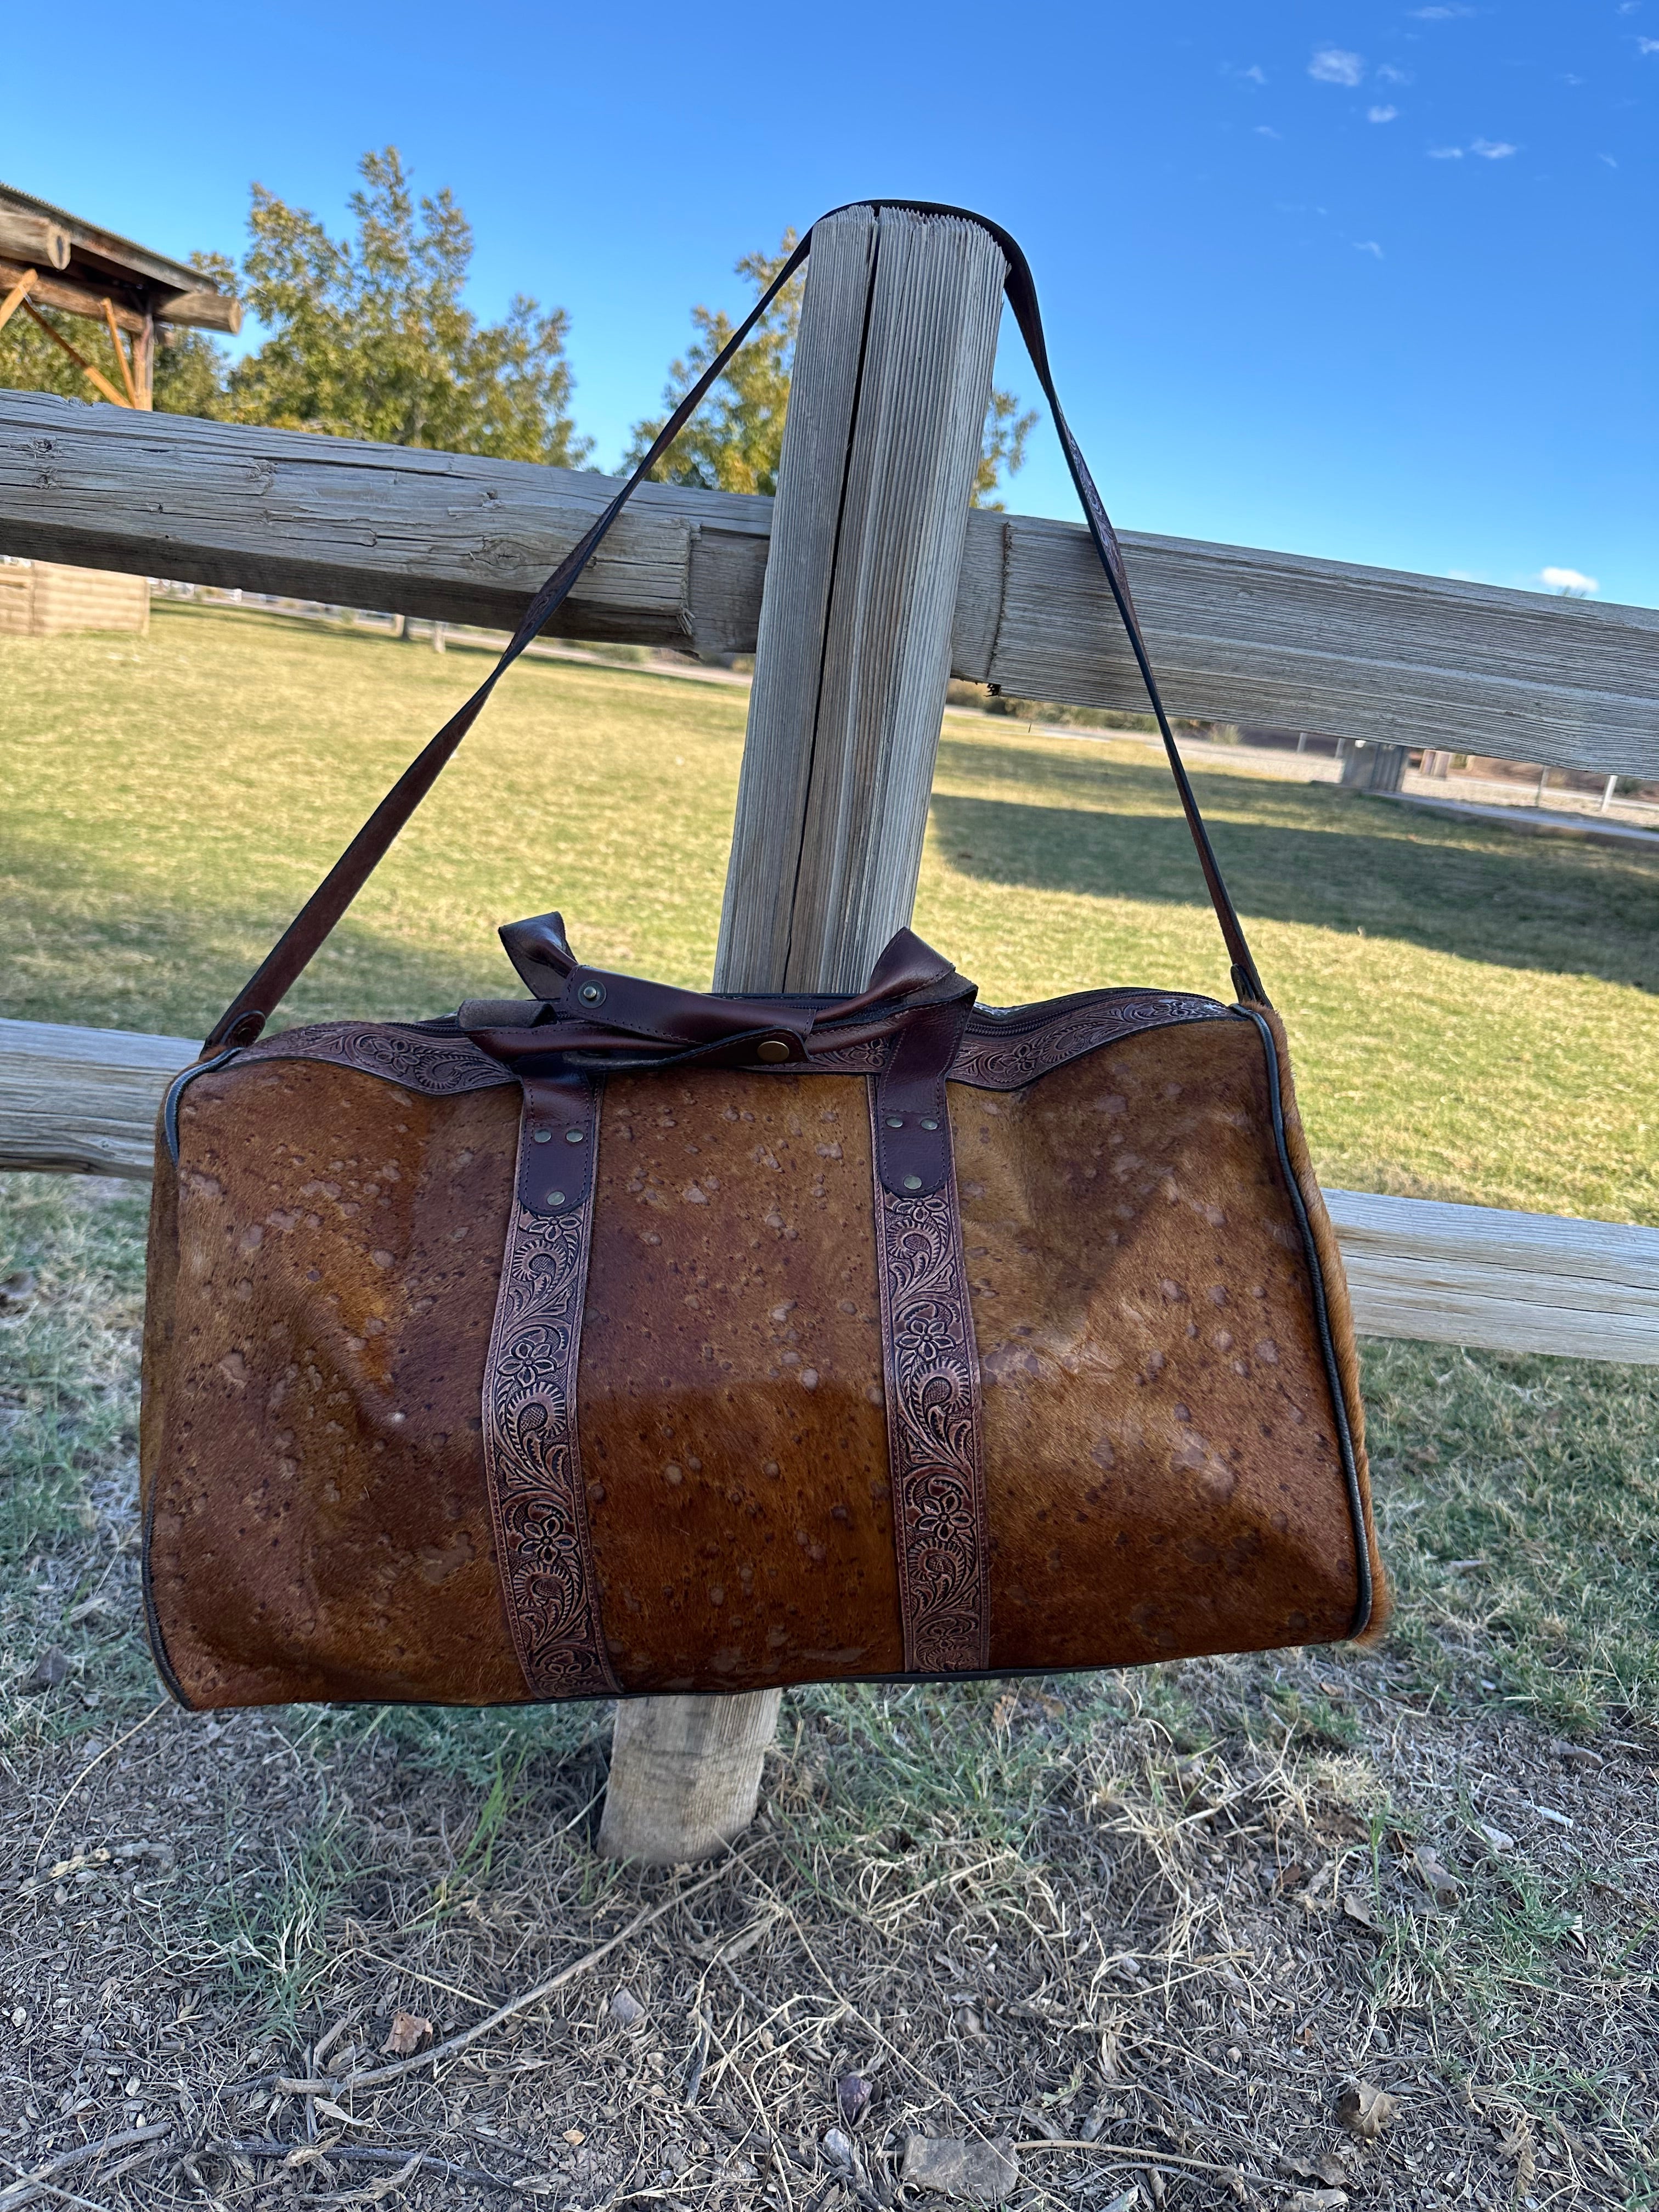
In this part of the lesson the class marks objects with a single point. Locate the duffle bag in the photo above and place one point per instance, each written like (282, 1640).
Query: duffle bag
(617, 1339)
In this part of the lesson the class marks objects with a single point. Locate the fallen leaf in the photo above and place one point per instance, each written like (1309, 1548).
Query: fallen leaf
(1581, 1757)
(1365, 2109)
(625, 2007)
(979, 2173)
(1002, 1715)
(1500, 1839)
(852, 2097)
(50, 1670)
(1319, 2200)
(969, 2024)
(1327, 2170)
(1442, 1882)
(575, 2136)
(838, 2147)
(1360, 1910)
(331, 2111)
(406, 2034)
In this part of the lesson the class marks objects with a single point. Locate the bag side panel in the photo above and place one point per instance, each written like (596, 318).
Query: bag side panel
(733, 1428)
(1339, 1310)
(1160, 1441)
(320, 1525)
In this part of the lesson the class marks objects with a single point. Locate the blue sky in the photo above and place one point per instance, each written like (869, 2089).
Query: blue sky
(1372, 283)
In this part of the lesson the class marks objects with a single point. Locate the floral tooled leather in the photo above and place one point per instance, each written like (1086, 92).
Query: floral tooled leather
(533, 1459)
(933, 1432)
(437, 1066)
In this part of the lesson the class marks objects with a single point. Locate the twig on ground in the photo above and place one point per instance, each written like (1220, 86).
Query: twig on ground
(39, 2177)
(108, 1750)
(1118, 2154)
(362, 2154)
(375, 2077)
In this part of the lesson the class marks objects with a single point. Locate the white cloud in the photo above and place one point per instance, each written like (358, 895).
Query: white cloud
(1569, 580)
(1445, 152)
(1387, 74)
(1381, 114)
(1439, 14)
(1608, 159)
(1266, 130)
(1368, 245)
(1647, 45)
(1494, 149)
(1335, 65)
(1256, 73)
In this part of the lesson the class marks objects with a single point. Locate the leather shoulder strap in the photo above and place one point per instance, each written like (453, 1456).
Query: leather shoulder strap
(260, 998)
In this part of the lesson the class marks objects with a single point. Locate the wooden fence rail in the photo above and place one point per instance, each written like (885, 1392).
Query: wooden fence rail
(85, 1100)
(1237, 635)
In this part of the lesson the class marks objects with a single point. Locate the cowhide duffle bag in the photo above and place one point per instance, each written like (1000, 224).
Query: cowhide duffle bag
(620, 1338)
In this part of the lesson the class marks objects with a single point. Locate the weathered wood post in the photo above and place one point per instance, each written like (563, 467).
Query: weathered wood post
(886, 411)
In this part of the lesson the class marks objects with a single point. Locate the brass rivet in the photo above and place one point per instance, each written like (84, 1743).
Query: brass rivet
(575, 1136)
(774, 1049)
(912, 1183)
(556, 1198)
(930, 1125)
(896, 1120)
(542, 1137)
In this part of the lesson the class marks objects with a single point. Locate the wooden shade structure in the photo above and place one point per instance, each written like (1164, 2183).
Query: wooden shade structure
(52, 265)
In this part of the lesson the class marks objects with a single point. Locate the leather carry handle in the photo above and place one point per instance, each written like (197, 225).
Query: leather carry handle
(264, 991)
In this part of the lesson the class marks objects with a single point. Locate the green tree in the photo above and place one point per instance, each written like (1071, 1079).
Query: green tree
(734, 440)
(369, 337)
(190, 366)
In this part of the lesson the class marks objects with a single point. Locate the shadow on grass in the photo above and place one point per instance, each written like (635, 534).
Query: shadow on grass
(1320, 858)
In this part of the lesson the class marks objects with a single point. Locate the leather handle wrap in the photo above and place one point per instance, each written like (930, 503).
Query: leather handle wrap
(253, 1006)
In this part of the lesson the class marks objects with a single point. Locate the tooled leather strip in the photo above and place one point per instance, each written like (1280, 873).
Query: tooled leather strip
(934, 1441)
(988, 1058)
(1001, 1062)
(532, 1458)
(438, 1065)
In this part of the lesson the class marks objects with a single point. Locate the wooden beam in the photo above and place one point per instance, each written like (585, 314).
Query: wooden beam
(80, 1101)
(121, 361)
(15, 297)
(34, 237)
(201, 311)
(71, 297)
(1237, 635)
(93, 376)
(1510, 1282)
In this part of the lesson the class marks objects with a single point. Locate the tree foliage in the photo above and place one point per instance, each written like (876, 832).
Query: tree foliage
(369, 337)
(734, 441)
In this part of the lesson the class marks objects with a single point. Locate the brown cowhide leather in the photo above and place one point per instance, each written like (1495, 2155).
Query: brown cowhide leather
(1161, 1443)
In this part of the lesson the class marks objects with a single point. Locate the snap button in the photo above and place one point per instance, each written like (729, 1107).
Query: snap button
(773, 1049)
(541, 1137)
(556, 1198)
(930, 1125)
(896, 1120)
(575, 1136)
(912, 1183)
(592, 994)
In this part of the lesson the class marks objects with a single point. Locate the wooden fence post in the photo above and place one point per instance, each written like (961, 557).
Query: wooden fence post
(892, 374)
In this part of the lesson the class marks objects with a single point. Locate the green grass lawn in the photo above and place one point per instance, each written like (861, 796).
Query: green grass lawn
(1472, 1012)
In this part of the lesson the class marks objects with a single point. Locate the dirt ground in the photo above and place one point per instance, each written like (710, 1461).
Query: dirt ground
(1146, 1927)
